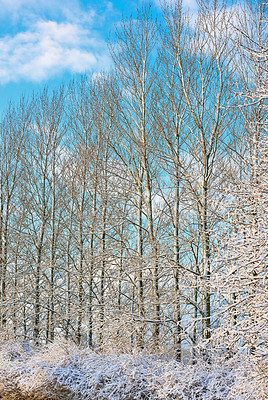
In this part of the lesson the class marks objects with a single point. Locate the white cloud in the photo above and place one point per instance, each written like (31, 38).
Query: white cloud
(50, 48)
(50, 37)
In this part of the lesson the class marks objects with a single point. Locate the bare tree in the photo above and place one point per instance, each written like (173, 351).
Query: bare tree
(14, 130)
(133, 53)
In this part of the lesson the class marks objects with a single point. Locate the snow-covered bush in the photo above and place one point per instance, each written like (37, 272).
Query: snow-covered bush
(63, 371)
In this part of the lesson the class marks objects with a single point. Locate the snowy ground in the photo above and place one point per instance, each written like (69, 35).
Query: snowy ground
(63, 371)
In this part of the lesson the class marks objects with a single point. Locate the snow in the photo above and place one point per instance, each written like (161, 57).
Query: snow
(63, 371)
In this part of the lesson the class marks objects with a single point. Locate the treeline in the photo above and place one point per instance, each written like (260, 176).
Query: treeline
(118, 190)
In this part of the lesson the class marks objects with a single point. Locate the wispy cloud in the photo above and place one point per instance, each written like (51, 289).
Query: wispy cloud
(54, 37)
(25, 11)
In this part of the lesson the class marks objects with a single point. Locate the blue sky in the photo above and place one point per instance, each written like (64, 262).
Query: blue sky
(45, 42)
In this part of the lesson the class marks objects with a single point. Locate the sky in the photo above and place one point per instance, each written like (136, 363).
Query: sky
(47, 42)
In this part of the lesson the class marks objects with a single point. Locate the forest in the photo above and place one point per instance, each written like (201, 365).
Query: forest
(133, 207)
